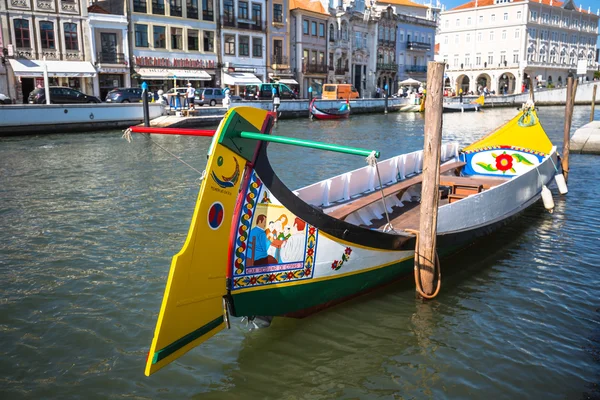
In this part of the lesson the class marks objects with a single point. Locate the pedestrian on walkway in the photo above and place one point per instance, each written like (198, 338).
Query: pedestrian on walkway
(191, 94)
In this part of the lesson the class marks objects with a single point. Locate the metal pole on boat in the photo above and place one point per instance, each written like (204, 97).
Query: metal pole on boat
(46, 81)
(571, 91)
(593, 103)
(309, 101)
(145, 105)
(425, 255)
(385, 95)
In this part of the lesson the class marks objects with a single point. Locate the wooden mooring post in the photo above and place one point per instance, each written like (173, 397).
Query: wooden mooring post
(593, 103)
(425, 256)
(571, 91)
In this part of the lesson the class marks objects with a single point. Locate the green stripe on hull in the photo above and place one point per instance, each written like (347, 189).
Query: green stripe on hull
(187, 339)
(285, 300)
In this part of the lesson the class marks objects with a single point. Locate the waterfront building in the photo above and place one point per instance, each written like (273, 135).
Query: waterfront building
(174, 43)
(386, 67)
(278, 44)
(109, 46)
(308, 22)
(55, 30)
(415, 36)
(363, 33)
(340, 48)
(503, 45)
(243, 43)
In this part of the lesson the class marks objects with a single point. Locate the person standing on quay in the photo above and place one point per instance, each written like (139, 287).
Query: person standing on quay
(191, 93)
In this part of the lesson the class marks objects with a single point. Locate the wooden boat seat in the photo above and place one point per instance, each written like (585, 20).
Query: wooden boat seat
(486, 182)
(361, 202)
(452, 198)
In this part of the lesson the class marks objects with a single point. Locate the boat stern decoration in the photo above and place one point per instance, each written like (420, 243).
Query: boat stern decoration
(193, 307)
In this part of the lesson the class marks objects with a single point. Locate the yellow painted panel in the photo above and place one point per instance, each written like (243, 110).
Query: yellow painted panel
(511, 134)
(192, 307)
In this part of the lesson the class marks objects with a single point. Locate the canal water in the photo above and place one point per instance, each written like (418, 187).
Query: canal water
(89, 224)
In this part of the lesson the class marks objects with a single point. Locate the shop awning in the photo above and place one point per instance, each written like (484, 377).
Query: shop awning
(64, 69)
(288, 81)
(170, 73)
(240, 78)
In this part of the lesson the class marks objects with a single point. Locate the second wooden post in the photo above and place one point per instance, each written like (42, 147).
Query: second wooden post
(425, 253)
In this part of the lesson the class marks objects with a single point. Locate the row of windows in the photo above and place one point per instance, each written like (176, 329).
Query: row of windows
(316, 57)
(574, 23)
(543, 34)
(159, 38)
(176, 8)
(492, 18)
(313, 28)
(413, 37)
(480, 60)
(491, 35)
(47, 34)
(246, 11)
(243, 46)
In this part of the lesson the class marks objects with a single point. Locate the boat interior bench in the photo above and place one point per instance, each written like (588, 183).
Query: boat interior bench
(361, 202)
(463, 186)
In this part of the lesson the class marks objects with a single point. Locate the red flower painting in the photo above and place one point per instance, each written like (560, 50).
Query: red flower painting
(504, 162)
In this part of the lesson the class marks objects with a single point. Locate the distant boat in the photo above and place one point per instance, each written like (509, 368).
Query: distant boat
(464, 107)
(330, 113)
(257, 248)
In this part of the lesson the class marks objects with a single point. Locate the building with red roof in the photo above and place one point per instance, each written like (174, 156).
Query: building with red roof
(503, 45)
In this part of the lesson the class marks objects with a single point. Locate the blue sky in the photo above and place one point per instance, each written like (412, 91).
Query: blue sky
(594, 4)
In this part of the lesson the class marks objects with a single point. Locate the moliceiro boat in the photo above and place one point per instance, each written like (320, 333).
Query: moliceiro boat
(475, 105)
(330, 113)
(257, 248)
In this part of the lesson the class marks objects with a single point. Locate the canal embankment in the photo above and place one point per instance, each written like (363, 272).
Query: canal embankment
(586, 140)
(19, 119)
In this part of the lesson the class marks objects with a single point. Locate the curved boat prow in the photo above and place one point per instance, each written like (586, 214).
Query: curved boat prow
(193, 304)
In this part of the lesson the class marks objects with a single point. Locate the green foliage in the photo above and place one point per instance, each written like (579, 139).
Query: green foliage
(597, 74)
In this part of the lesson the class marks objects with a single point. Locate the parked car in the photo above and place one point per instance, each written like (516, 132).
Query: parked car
(60, 95)
(212, 96)
(5, 99)
(126, 95)
(264, 91)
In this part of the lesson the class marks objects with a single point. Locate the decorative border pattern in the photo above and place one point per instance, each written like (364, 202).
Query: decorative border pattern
(524, 150)
(245, 222)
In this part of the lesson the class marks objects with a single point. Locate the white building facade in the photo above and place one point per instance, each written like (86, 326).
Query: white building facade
(503, 44)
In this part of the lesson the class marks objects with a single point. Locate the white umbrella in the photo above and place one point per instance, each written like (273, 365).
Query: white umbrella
(410, 81)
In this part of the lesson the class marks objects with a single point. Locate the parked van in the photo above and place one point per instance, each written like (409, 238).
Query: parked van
(264, 91)
(340, 91)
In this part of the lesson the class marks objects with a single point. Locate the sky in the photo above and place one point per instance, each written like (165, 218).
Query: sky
(594, 4)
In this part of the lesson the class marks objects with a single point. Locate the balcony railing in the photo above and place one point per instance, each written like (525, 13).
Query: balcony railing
(110, 58)
(175, 10)
(192, 12)
(315, 68)
(331, 67)
(140, 6)
(158, 8)
(279, 60)
(229, 21)
(386, 42)
(253, 25)
(341, 71)
(416, 68)
(418, 46)
(387, 67)
(208, 15)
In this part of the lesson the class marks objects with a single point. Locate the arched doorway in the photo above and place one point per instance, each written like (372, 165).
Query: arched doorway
(447, 84)
(484, 81)
(462, 82)
(506, 83)
(550, 83)
(560, 81)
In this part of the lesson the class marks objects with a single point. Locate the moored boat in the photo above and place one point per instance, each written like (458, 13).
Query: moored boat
(330, 113)
(257, 248)
(475, 105)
